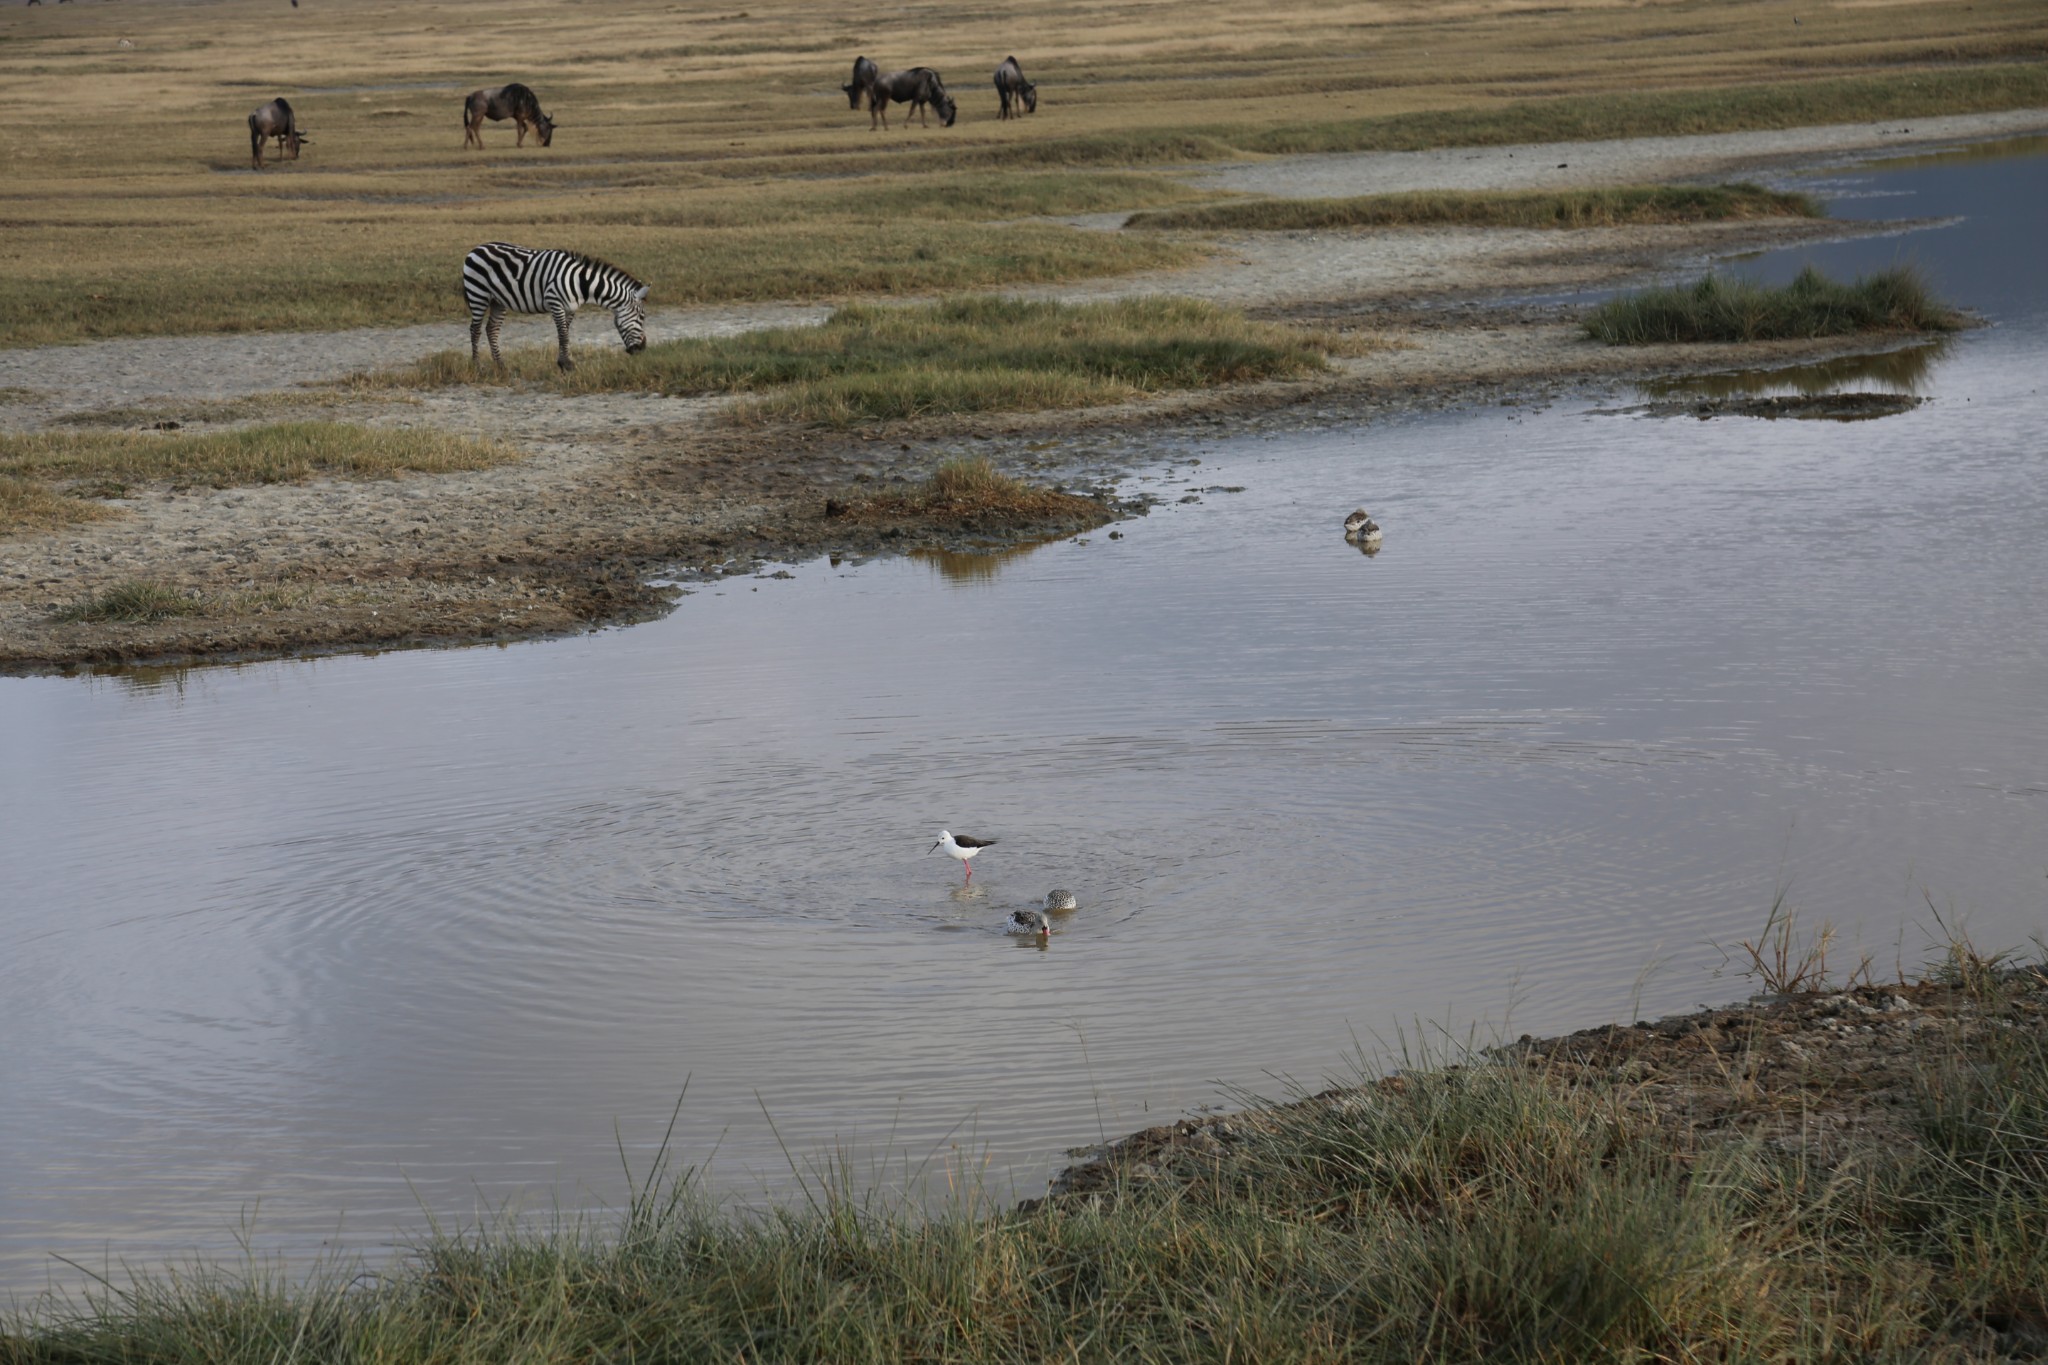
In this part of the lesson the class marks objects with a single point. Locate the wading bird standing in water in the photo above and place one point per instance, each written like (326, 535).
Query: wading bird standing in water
(963, 848)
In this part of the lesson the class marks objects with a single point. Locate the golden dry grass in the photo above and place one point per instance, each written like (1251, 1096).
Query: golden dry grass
(279, 453)
(708, 147)
(29, 505)
(969, 489)
(42, 474)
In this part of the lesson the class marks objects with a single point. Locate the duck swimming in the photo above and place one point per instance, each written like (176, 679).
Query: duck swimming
(1031, 922)
(1057, 901)
(1360, 529)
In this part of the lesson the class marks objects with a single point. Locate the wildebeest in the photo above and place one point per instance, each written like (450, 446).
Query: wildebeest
(1011, 86)
(864, 73)
(513, 102)
(917, 87)
(275, 120)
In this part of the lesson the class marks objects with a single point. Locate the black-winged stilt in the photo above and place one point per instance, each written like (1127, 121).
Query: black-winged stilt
(963, 848)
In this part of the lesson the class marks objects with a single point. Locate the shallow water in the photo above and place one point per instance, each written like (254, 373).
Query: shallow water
(325, 944)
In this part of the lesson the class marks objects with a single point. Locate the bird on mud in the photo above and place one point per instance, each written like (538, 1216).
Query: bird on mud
(1361, 530)
(963, 848)
(1057, 901)
(1031, 922)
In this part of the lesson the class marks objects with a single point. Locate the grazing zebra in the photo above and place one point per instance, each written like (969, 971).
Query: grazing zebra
(499, 278)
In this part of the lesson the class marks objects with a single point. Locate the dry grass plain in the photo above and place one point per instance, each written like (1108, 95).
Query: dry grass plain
(708, 147)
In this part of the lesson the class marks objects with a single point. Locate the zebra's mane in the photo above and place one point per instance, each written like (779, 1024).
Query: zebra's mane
(581, 259)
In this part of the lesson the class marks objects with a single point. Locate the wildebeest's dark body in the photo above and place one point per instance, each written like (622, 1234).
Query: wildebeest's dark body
(1012, 88)
(514, 102)
(918, 87)
(275, 120)
(864, 73)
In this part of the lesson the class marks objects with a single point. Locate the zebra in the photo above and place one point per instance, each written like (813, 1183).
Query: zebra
(500, 278)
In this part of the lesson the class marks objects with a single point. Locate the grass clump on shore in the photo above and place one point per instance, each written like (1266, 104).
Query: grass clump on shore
(1720, 308)
(1531, 1204)
(869, 363)
(135, 601)
(970, 489)
(279, 453)
(30, 505)
(1523, 209)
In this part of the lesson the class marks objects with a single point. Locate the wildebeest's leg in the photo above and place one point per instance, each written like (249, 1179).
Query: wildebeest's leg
(521, 124)
(565, 313)
(492, 322)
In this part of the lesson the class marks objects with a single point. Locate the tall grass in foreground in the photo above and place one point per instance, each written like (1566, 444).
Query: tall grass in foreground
(1523, 209)
(1719, 308)
(1488, 1211)
(963, 355)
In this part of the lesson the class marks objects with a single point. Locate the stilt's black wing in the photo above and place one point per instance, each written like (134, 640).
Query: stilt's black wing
(969, 841)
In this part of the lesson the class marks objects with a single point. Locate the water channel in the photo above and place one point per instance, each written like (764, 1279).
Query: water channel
(297, 953)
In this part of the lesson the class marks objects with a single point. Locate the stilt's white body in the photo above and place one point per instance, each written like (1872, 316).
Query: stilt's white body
(962, 848)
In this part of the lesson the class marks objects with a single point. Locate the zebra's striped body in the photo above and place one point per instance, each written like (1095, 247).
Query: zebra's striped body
(499, 278)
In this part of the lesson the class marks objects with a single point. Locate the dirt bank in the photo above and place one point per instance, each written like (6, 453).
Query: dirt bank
(619, 489)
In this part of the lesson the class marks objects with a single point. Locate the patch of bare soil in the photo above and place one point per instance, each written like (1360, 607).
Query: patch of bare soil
(623, 490)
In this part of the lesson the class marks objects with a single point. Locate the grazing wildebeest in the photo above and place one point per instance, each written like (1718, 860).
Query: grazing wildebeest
(499, 277)
(864, 73)
(513, 102)
(1011, 86)
(275, 120)
(917, 87)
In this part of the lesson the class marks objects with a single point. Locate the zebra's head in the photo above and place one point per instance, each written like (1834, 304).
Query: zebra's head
(631, 315)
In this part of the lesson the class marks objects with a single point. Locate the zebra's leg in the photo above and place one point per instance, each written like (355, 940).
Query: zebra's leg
(476, 332)
(565, 313)
(492, 322)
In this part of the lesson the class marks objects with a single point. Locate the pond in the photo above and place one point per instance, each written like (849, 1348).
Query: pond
(296, 954)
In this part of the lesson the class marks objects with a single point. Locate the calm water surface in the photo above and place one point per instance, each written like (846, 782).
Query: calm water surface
(298, 951)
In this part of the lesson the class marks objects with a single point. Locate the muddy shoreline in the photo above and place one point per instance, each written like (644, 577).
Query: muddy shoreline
(625, 497)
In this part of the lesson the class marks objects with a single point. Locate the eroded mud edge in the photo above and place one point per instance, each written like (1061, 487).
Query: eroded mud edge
(616, 535)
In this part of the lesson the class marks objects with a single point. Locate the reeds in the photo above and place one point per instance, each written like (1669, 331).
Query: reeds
(1723, 308)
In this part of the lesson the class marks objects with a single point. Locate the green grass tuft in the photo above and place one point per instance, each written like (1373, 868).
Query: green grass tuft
(977, 354)
(1523, 209)
(1724, 309)
(135, 602)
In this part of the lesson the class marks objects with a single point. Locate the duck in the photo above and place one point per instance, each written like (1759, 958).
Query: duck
(1031, 922)
(1361, 529)
(1061, 900)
